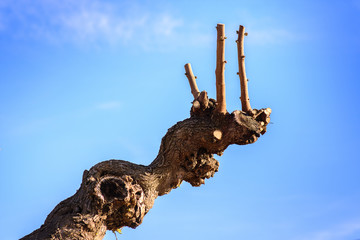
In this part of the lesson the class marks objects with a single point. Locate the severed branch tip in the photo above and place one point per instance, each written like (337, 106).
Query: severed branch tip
(220, 69)
(245, 100)
(192, 80)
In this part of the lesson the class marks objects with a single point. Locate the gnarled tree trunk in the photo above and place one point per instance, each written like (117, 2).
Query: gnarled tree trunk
(117, 193)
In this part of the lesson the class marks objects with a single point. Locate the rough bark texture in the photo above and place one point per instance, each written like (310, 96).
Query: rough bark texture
(116, 193)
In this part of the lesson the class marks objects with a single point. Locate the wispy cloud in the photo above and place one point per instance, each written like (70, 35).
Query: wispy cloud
(98, 22)
(167, 25)
(271, 36)
(93, 22)
(341, 231)
(122, 23)
(268, 30)
(109, 105)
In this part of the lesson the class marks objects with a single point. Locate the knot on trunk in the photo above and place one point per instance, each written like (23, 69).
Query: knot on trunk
(203, 106)
(122, 201)
(200, 166)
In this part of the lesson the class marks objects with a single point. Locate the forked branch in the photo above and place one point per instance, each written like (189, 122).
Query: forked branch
(220, 69)
(245, 100)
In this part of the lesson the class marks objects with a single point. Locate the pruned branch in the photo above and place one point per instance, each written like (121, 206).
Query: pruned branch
(245, 100)
(192, 80)
(220, 69)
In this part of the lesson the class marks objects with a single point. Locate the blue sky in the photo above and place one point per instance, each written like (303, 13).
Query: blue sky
(86, 81)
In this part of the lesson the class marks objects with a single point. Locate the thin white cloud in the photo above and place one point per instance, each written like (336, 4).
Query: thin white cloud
(167, 25)
(122, 23)
(111, 105)
(99, 23)
(271, 36)
(84, 22)
(341, 231)
(268, 36)
(267, 30)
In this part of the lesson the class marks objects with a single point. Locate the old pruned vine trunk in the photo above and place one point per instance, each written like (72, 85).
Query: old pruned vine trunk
(117, 193)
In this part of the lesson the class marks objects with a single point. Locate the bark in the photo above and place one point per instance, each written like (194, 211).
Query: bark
(116, 193)
(220, 69)
(245, 100)
(193, 86)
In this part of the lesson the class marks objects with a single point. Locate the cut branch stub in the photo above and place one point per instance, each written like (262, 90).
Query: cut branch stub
(220, 69)
(245, 100)
(192, 80)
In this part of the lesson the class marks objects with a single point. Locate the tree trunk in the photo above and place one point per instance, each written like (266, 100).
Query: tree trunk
(117, 193)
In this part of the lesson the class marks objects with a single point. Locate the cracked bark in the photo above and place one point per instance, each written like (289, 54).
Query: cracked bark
(116, 193)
